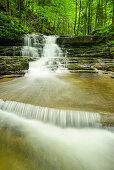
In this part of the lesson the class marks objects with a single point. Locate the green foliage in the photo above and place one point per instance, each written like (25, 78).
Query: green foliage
(12, 28)
(106, 30)
(60, 17)
(110, 43)
(106, 49)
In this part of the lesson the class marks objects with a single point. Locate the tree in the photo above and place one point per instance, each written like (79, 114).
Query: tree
(113, 13)
(75, 23)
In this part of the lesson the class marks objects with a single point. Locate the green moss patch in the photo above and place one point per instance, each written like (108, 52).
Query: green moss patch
(109, 68)
(75, 67)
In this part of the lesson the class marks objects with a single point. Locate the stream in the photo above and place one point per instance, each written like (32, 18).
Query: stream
(50, 119)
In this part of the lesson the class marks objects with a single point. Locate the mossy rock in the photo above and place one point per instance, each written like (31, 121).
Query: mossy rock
(109, 68)
(107, 120)
(75, 67)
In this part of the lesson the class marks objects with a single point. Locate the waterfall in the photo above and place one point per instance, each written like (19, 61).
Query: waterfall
(63, 118)
(33, 44)
(47, 53)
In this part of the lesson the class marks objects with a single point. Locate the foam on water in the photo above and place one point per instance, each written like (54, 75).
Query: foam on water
(65, 149)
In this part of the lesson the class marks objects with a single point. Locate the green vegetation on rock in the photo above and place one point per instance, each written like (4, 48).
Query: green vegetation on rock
(75, 67)
(109, 68)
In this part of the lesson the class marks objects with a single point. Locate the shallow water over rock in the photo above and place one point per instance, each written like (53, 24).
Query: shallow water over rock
(88, 92)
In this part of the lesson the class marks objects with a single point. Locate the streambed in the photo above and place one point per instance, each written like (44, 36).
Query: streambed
(87, 92)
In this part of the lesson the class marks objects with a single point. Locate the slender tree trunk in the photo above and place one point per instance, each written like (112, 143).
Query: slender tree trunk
(8, 8)
(113, 13)
(75, 23)
(105, 15)
(79, 18)
(20, 7)
(85, 22)
(89, 18)
(99, 13)
(102, 14)
(96, 20)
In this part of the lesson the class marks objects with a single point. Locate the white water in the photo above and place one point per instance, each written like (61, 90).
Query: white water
(48, 53)
(63, 118)
(63, 149)
(31, 46)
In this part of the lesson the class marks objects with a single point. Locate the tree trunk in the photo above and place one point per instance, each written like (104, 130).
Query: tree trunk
(113, 13)
(89, 18)
(102, 15)
(105, 14)
(20, 7)
(96, 23)
(75, 18)
(8, 8)
(79, 18)
(85, 22)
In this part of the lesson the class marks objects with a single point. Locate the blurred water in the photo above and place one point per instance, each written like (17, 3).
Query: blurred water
(45, 147)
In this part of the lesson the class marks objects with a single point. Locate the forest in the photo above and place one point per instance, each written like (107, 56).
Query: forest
(60, 17)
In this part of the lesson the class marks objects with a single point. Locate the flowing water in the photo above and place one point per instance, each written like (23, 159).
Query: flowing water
(49, 119)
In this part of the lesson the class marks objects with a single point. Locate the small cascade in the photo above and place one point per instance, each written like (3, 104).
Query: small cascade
(62, 118)
(33, 44)
(48, 53)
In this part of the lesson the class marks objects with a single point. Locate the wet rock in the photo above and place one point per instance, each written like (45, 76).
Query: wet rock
(14, 64)
(8, 42)
(10, 50)
(107, 120)
(112, 76)
(82, 40)
(72, 41)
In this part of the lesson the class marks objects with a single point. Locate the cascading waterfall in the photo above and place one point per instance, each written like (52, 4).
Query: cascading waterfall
(47, 138)
(48, 53)
(33, 45)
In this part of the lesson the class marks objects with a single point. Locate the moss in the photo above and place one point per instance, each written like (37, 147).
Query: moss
(109, 68)
(25, 65)
(107, 120)
(13, 64)
(87, 47)
(75, 67)
(91, 61)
